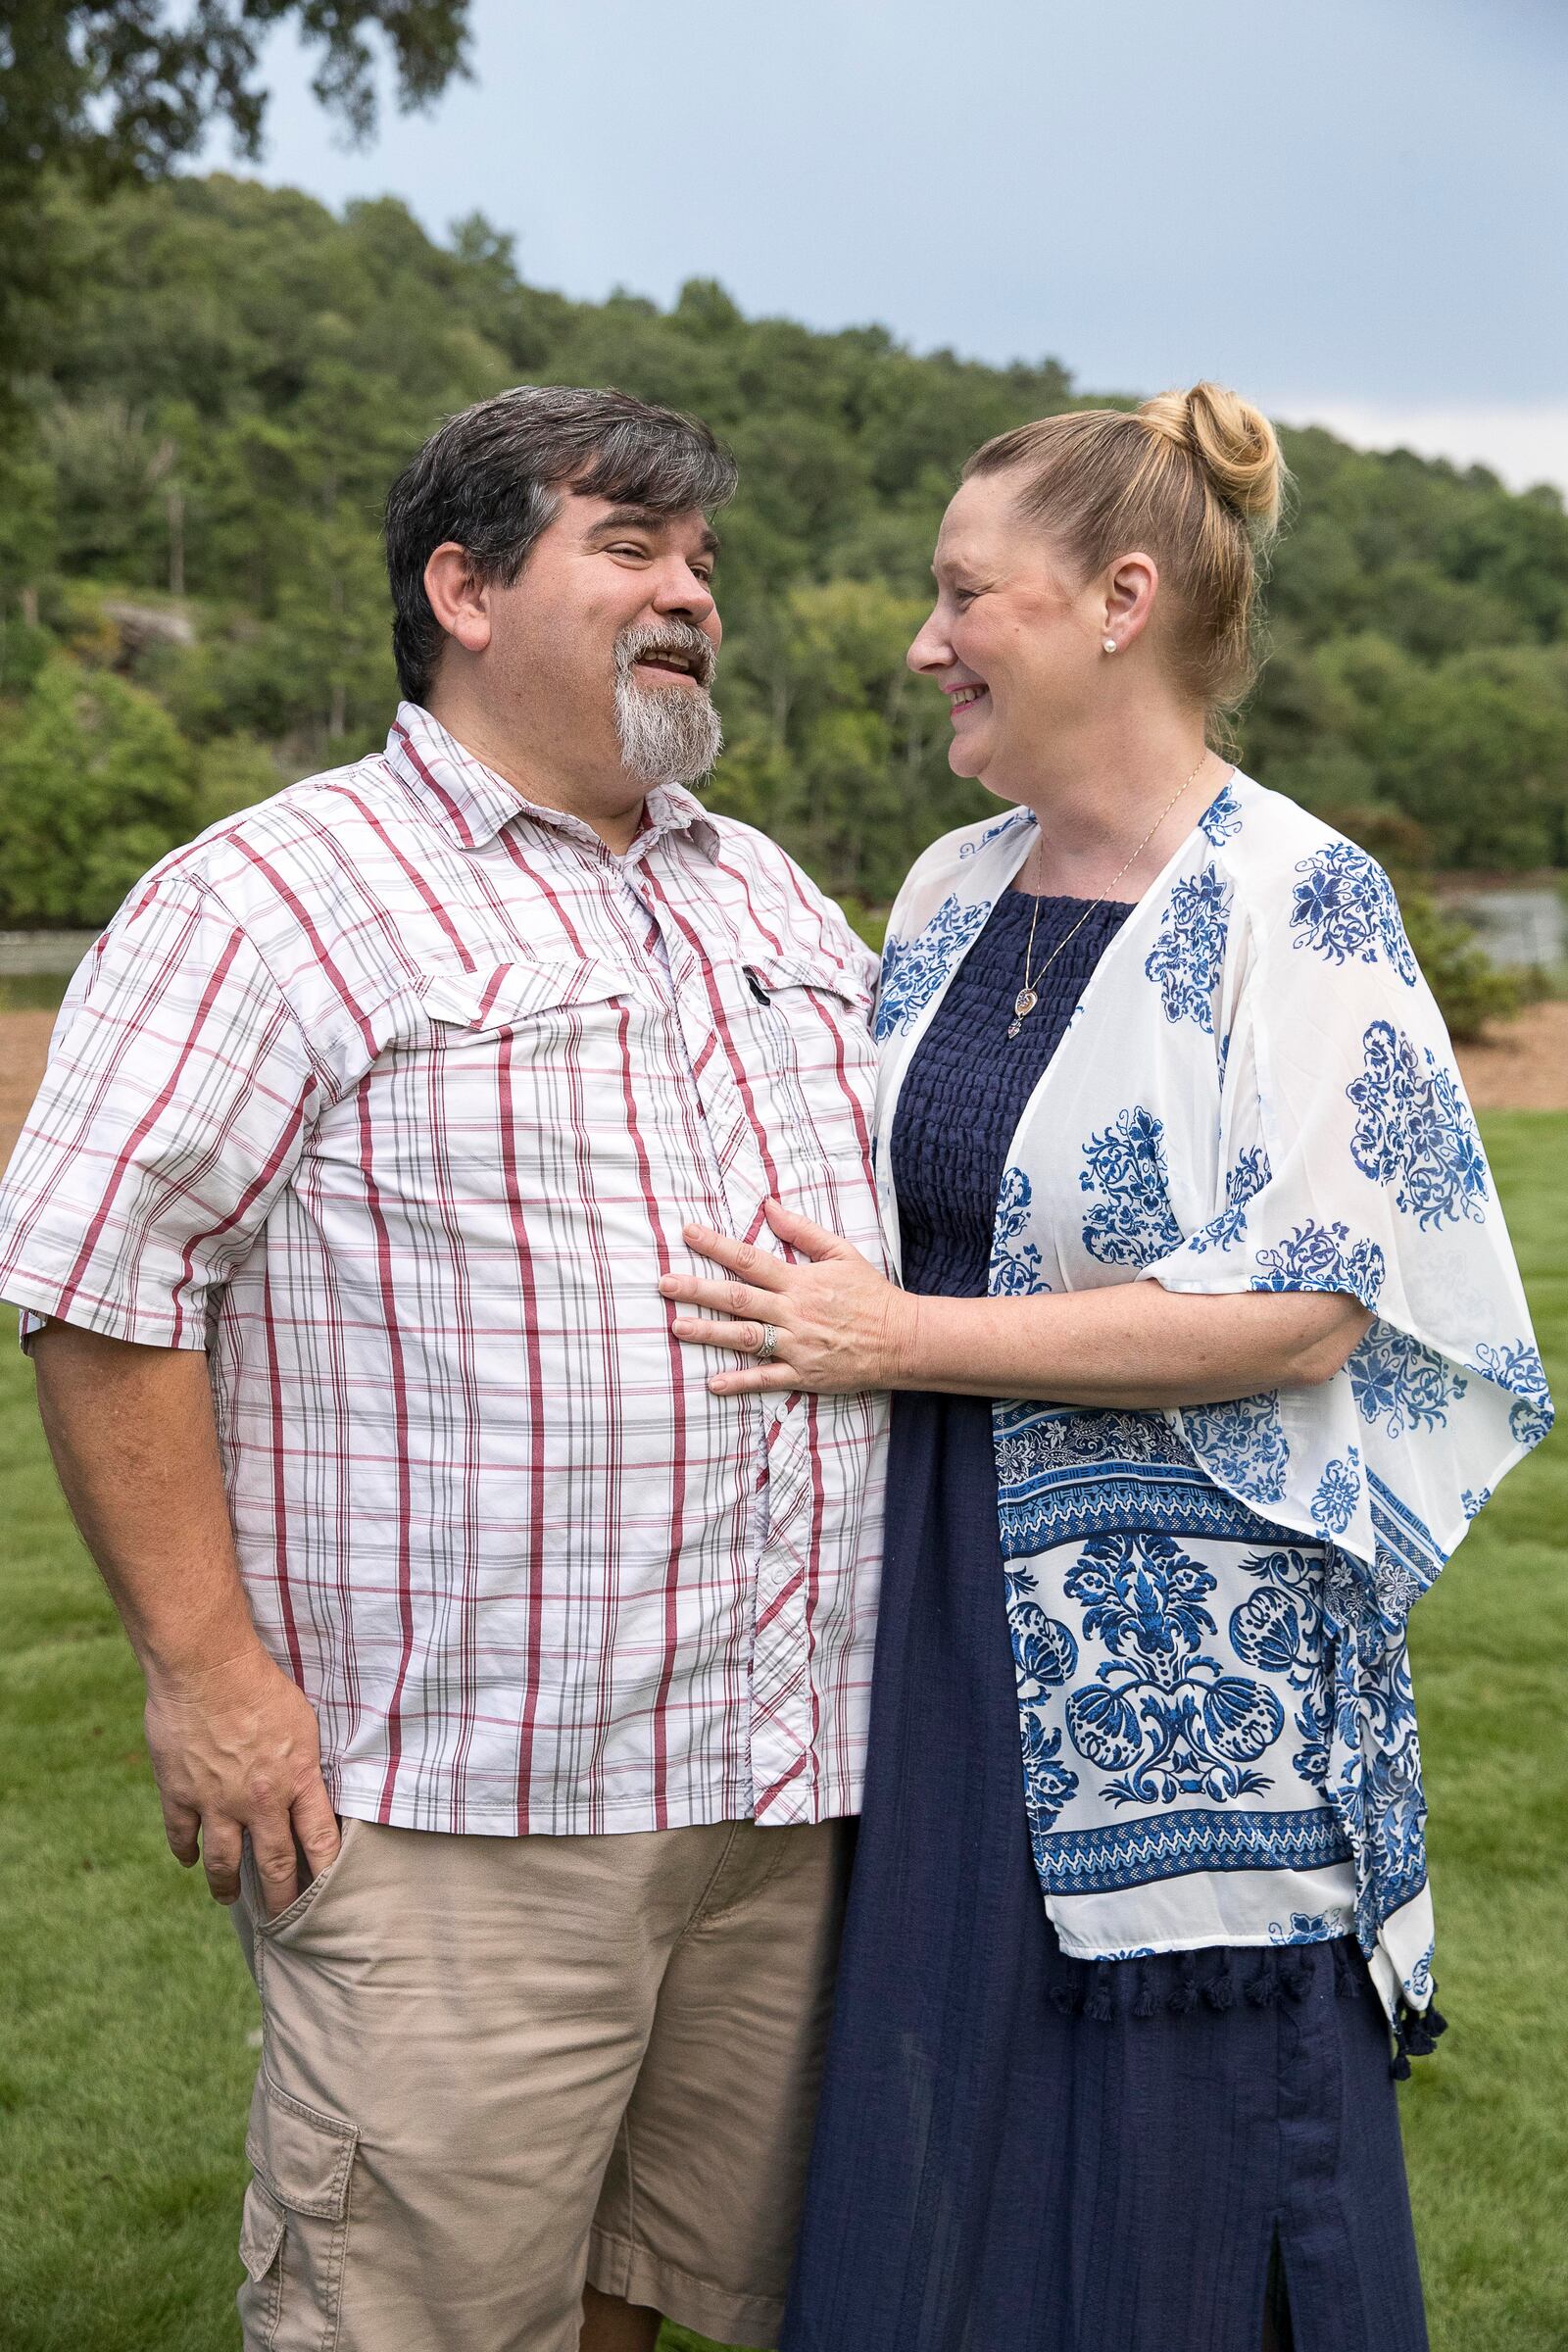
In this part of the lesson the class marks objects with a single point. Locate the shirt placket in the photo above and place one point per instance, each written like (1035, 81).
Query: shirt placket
(785, 1473)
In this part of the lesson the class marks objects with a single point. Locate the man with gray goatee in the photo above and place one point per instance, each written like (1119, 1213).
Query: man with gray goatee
(510, 1681)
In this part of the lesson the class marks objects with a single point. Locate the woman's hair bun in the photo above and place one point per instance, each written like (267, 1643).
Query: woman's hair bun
(1194, 477)
(1232, 441)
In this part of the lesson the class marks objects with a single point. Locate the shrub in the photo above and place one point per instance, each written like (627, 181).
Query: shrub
(96, 784)
(1469, 987)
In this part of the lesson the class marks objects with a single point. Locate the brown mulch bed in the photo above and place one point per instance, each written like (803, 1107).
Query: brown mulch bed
(23, 1044)
(1523, 1066)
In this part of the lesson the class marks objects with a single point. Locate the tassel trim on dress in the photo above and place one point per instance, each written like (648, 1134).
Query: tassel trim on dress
(1415, 2035)
(1147, 1984)
(1144, 1984)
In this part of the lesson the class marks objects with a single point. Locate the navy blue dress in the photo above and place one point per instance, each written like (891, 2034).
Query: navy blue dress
(1019, 2151)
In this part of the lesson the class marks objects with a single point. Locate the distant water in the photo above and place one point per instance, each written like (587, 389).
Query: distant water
(1518, 927)
(1524, 926)
(23, 953)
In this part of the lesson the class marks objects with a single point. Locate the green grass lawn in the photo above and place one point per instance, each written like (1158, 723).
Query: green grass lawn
(127, 2019)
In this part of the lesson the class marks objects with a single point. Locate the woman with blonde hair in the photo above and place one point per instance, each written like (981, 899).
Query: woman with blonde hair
(1209, 1343)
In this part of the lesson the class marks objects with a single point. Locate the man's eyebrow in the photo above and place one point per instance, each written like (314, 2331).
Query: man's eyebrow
(645, 519)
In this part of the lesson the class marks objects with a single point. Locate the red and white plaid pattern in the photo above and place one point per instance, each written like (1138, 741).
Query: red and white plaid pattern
(395, 1093)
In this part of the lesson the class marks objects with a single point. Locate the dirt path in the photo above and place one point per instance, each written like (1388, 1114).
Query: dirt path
(1524, 1064)
(1523, 1067)
(23, 1043)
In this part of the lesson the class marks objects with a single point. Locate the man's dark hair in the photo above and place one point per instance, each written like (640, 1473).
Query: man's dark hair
(491, 479)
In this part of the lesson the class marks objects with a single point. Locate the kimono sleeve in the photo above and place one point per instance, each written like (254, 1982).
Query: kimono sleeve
(1350, 1162)
(177, 1091)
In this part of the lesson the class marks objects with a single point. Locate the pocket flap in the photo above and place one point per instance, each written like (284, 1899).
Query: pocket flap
(808, 971)
(260, 2232)
(300, 2156)
(515, 992)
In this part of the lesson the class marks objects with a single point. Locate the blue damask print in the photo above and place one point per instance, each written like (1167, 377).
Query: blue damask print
(1396, 1583)
(1161, 1715)
(1374, 1778)
(1345, 909)
(1398, 1381)
(1187, 957)
(1339, 1491)
(1242, 1445)
(1312, 1926)
(913, 969)
(1313, 1727)
(1035, 1445)
(1279, 1629)
(1048, 1783)
(1118, 1854)
(1243, 1183)
(1323, 1257)
(1221, 820)
(1014, 1264)
(1045, 1659)
(1517, 1366)
(1132, 1224)
(1414, 1130)
(972, 848)
(1044, 1654)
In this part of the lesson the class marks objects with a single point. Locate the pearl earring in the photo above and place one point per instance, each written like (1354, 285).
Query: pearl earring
(1110, 645)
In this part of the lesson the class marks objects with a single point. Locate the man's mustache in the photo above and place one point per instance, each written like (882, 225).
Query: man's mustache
(675, 641)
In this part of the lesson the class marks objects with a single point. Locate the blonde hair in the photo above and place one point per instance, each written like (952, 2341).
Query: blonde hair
(1195, 479)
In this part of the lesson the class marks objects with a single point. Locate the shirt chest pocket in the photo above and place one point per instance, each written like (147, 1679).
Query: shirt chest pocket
(806, 1024)
(533, 1001)
(519, 1056)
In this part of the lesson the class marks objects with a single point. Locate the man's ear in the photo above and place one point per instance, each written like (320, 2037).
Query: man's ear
(460, 601)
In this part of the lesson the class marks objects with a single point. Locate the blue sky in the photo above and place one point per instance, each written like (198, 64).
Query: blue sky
(1353, 212)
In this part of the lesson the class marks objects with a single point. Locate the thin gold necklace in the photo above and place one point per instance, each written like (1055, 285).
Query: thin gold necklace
(1028, 997)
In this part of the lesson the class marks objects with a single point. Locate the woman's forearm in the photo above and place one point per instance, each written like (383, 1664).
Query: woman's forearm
(1130, 1344)
(826, 1320)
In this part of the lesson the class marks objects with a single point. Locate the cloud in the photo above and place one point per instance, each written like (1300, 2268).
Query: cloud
(1523, 442)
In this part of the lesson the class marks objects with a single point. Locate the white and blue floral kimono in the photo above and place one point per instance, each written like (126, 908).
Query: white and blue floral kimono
(1208, 1606)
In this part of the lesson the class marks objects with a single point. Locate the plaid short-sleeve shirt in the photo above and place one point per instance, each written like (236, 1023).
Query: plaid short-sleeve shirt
(394, 1094)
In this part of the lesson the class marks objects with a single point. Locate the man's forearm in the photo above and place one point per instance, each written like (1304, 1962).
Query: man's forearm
(233, 1740)
(136, 1445)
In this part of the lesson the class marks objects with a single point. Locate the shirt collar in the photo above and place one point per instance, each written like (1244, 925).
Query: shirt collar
(472, 802)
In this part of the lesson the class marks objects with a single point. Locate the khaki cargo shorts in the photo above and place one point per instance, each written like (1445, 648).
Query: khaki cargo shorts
(494, 2068)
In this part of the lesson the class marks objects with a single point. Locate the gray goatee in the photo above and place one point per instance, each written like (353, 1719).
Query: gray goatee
(669, 734)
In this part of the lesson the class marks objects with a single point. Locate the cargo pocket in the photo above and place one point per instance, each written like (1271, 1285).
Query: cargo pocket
(294, 2232)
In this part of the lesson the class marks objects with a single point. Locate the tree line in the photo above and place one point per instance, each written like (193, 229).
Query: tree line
(193, 609)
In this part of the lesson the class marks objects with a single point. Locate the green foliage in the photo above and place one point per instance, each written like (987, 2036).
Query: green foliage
(217, 417)
(116, 87)
(835, 750)
(95, 784)
(98, 93)
(1468, 986)
(126, 2058)
(233, 772)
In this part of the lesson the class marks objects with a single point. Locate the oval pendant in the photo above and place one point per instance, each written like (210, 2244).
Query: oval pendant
(1024, 1002)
